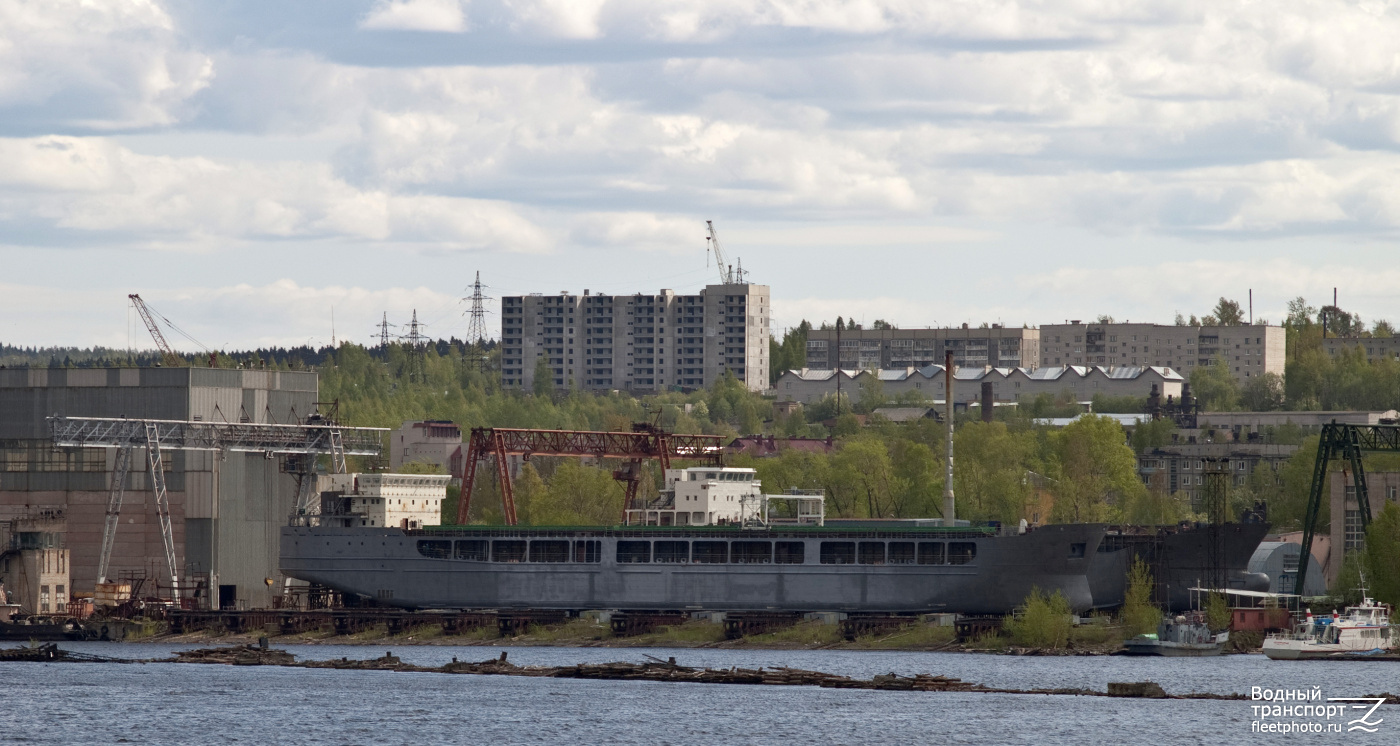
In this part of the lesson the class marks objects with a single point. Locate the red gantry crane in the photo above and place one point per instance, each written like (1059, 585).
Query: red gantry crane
(646, 441)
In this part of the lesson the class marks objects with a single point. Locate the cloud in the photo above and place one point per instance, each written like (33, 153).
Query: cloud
(93, 185)
(95, 66)
(416, 15)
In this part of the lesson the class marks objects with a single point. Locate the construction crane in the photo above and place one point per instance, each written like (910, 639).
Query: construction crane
(728, 275)
(169, 358)
(646, 441)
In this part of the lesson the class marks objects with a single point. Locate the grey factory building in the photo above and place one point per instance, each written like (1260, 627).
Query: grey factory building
(226, 510)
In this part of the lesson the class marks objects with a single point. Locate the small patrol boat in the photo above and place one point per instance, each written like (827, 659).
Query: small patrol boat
(1185, 635)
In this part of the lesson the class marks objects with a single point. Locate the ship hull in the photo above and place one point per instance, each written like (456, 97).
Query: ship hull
(389, 565)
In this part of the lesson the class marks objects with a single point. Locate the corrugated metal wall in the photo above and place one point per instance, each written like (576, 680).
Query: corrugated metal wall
(227, 511)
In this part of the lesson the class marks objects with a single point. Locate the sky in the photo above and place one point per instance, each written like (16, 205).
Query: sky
(273, 173)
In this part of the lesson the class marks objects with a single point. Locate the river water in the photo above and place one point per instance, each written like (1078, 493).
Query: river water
(62, 703)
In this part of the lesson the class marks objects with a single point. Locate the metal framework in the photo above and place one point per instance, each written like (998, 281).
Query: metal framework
(1343, 442)
(161, 435)
(644, 442)
(245, 437)
(169, 356)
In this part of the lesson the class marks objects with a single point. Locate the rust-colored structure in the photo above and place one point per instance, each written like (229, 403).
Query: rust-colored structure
(645, 441)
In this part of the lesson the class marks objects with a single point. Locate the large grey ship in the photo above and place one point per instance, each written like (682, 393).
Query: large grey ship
(709, 542)
(974, 570)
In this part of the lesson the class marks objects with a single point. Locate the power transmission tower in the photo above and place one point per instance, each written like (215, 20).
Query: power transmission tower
(383, 328)
(476, 326)
(417, 370)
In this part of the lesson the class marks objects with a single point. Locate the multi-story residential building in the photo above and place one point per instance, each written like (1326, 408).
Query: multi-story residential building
(638, 342)
(863, 349)
(1375, 347)
(1249, 350)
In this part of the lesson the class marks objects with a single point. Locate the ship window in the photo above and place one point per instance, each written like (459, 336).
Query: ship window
(872, 552)
(435, 549)
(901, 553)
(672, 551)
(709, 552)
(931, 553)
(751, 552)
(508, 550)
(790, 552)
(549, 550)
(1076, 550)
(633, 552)
(472, 549)
(588, 551)
(961, 552)
(838, 553)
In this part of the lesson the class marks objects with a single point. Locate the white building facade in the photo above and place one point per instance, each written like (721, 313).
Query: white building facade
(400, 500)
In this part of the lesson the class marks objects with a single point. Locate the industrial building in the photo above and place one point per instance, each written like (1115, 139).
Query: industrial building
(638, 342)
(226, 509)
(1248, 350)
(809, 386)
(1182, 467)
(859, 349)
(435, 442)
(1347, 534)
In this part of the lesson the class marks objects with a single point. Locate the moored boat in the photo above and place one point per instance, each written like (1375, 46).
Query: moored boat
(1185, 635)
(1360, 630)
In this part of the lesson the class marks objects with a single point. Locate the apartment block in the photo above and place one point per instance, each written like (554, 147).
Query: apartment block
(1248, 350)
(863, 349)
(1376, 348)
(638, 342)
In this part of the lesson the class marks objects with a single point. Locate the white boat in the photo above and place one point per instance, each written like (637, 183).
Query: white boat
(1360, 630)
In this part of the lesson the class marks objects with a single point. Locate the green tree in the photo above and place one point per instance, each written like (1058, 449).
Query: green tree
(1263, 393)
(1140, 616)
(1215, 387)
(579, 495)
(530, 494)
(1218, 614)
(1044, 621)
(1383, 555)
(1153, 434)
(1093, 466)
(543, 385)
(1228, 313)
(989, 471)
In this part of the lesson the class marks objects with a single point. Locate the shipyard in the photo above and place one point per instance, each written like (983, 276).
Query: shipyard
(820, 372)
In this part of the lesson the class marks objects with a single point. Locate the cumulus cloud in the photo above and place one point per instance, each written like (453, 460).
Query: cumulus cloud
(416, 15)
(103, 66)
(93, 185)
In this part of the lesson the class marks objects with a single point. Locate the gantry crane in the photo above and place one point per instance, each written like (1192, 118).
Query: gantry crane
(317, 436)
(646, 441)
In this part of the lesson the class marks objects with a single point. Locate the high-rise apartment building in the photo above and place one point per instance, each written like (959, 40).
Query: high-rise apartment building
(1248, 350)
(863, 349)
(638, 342)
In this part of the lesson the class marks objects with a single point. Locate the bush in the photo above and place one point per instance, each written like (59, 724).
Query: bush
(1044, 622)
(1218, 614)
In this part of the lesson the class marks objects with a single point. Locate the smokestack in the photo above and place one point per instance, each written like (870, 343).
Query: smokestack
(948, 502)
(988, 399)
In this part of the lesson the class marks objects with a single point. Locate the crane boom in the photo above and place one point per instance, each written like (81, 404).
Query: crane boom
(150, 321)
(726, 275)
